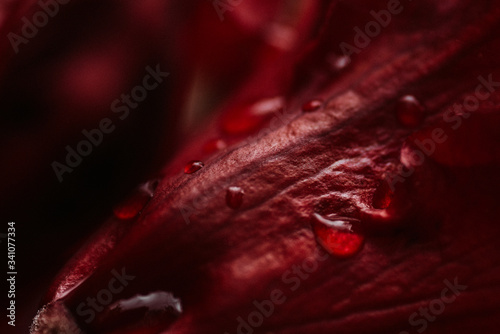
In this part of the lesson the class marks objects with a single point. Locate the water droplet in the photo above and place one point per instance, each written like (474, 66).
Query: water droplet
(154, 310)
(234, 197)
(149, 187)
(411, 157)
(249, 117)
(340, 236)
(382, 196)
(312, 105)
(155, 301)
(193, 166)
(134, 204)
(268, 106)
(214, 145)
(338, 63)
(409, 111)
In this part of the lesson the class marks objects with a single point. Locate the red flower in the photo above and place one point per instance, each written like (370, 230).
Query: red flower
(416, 198)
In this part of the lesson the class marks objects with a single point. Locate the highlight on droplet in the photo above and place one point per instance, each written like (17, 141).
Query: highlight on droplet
(193, 166)
(340, 236)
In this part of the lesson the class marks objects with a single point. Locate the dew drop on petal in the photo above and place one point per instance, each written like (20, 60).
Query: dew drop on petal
(214, 145)
(411, 157)
(268, 106)
(312, 105)
(193, 166)
(153, 310)
(149, 187)
(410, 111)
(340, 236)
(250, 116)
(338, 63)
(134, 204)
(234, 197)
(155, 301)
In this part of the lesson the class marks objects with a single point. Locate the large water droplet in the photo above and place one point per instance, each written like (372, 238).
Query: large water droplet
(133, 205)
(249, 117)
(312, 105)
(149, 313)
(193, 166)
(340, 236)
(155, 301)
(234, 197)
(410, 111)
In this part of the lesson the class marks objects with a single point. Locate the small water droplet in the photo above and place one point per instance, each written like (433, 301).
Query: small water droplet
(149, 187)
(411, 157)
(134, 204)
(340, 236)
(193, 166)
(410, 111)
(214, 145)
(312, 105)
(250, 116)
(382, 196)
(268, 106)
(234, 197)
(338, 63)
